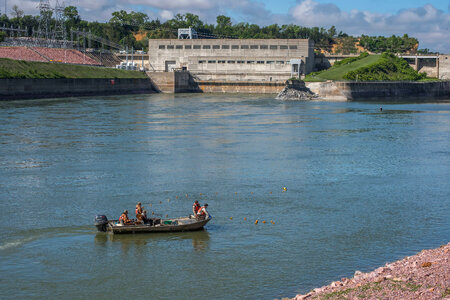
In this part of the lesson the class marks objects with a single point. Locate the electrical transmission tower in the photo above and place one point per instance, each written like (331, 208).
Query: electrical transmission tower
(45, 15)
(60, 32)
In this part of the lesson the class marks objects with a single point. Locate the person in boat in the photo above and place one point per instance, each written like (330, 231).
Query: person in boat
(202, 213)
(142, 218)
(196, 207)
(124, 218)
(139, 209)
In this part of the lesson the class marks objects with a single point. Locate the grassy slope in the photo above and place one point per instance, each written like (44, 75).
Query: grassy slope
(26, 69)
(337, 73)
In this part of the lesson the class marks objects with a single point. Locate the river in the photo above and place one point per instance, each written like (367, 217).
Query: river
(363, 187)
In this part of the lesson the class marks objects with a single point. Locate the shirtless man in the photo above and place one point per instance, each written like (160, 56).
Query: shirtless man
(124, 218)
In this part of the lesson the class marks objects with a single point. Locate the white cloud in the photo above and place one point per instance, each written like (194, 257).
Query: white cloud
(175, 4)
(427, 23)
(166, 14)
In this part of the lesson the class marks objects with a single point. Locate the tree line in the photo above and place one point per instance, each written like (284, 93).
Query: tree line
(124, 27)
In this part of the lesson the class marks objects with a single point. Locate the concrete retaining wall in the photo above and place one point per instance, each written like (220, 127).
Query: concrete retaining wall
(343, 91)
(248, 87)
(444, 66)
(50, 88)
(173, 82)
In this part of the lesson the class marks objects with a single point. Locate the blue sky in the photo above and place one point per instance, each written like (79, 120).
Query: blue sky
(382, 6)
(429, 21)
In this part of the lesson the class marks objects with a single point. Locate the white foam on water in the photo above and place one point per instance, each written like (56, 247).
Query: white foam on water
(15, 244)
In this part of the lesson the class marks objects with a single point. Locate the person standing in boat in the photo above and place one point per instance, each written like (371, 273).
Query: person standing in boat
(124, 218)
(202, 213)
(195, 207)
(139, 209)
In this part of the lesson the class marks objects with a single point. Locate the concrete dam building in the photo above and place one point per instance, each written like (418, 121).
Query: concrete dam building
(233, 59)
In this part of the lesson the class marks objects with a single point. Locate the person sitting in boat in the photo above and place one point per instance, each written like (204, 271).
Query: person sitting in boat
(142, 218)
(195, 207)
(124, 218)
(145, 219)
(202, 213)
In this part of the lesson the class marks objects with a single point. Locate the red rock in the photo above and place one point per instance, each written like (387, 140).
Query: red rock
(426, 264)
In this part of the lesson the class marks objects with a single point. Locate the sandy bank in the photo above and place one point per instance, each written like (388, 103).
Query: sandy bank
(425, 275)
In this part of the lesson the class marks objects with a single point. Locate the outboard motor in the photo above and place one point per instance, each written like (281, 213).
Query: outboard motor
(100, 221)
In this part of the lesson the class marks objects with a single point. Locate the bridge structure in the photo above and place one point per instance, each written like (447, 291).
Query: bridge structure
(424, 63)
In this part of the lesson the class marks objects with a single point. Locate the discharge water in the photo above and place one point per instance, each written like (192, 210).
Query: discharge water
(363, 187)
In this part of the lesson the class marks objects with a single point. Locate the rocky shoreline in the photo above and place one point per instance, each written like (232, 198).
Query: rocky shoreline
(425, 275)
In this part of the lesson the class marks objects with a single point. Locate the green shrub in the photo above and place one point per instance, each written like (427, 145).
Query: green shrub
(388, 68)
(2, 36)
(349, 60)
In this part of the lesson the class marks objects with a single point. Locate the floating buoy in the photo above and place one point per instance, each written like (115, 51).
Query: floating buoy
(160, 202)
(176, 197)
(264, 222)
(201, 194)
(252, 193)
(186, 195)
(256, 222)
(150, 205)
(235, 193)
(153, 212)
(245, 219)
(270, 193)
(284, 189)
(272, 222)
(231, 218)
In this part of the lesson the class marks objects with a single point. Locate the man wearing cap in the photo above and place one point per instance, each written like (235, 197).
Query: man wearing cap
(202, 213)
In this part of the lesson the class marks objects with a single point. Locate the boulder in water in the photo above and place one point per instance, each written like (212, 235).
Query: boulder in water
(296, 90)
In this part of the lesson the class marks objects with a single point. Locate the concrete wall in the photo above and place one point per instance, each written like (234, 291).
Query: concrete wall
(343, 91)
(241, 87)
(444, 66)
(49, 88)
(163, 82)
(173, 82)
(258, 59)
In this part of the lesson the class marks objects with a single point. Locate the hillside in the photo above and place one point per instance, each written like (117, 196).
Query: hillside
(388, 68)
(384, 67)
(338, 71)
(25, 69)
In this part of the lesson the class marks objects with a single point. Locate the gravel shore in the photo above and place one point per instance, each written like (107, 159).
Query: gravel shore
(425, 275)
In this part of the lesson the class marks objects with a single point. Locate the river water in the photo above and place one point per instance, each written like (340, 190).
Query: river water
(363, 187)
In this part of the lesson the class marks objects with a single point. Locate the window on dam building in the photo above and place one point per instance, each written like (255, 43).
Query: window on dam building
(261, 62)
(226, 47)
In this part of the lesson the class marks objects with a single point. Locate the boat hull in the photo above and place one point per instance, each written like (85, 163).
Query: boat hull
(177, 225)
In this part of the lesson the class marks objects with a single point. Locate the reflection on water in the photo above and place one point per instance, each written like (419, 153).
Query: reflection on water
(200, 239)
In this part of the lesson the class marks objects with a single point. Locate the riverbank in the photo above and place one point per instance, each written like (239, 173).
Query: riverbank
(11, 89)
(425, 275)
(19, 69)
(385, 90)
(35, 80)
